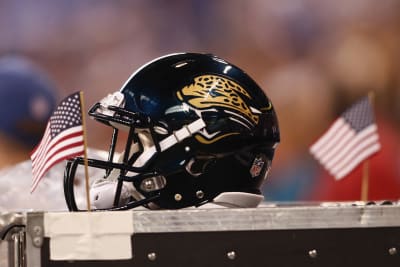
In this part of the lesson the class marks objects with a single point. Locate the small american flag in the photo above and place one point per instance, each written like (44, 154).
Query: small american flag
(62, 139)
(351, 139)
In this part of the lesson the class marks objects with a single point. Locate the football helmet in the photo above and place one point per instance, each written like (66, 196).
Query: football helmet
(197, 126)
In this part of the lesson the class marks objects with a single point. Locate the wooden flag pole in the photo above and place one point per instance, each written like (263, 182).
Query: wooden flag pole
(365, 174)
(365, 181)
(85, 158)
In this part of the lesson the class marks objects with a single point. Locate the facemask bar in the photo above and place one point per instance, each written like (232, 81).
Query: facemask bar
(70, 174)
(127, 118)
(123, 117)
(115, 114)
(125, 161)
(111, 150)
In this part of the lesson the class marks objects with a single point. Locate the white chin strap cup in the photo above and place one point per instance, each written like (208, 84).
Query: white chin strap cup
(102, 194)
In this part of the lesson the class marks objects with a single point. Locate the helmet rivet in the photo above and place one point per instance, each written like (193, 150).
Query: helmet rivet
(393, 251)
(152, 256)
(231, 255)
(200, 194)
(149, 184)
(313, 253)
(178, 197)
(187, 149)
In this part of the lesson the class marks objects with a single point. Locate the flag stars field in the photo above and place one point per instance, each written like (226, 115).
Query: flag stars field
(62, 139)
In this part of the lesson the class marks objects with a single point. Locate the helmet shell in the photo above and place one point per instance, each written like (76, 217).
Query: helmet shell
(241, 125)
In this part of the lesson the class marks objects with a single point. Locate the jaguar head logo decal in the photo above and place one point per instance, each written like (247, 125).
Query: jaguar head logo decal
(210, 91)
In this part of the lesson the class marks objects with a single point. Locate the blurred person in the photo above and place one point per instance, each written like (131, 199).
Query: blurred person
(27, 99)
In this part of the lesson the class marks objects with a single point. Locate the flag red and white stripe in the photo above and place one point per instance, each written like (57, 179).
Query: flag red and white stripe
(62, 139)
(351, 139)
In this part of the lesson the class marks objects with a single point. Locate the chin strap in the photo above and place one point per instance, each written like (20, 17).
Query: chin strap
(103, 192)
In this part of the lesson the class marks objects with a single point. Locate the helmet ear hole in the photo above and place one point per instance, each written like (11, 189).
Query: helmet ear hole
(197, 166)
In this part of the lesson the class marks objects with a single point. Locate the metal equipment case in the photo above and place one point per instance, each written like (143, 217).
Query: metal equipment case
(337, 234)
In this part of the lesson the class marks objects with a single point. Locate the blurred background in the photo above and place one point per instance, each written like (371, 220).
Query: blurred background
(313, 58)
